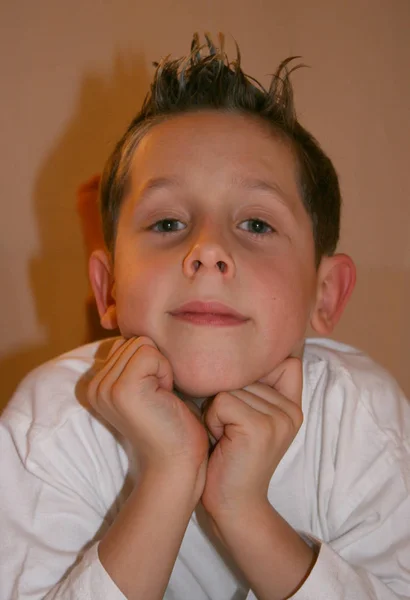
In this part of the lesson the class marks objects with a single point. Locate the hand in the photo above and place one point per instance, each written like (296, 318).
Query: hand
(133, 392)
(253, 427)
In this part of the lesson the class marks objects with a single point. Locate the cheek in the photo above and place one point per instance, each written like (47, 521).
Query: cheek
(280, 293)
(138, 295)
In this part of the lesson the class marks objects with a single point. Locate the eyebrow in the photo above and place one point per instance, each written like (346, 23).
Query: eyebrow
(157, 183)
(246, 183)
(250, 183)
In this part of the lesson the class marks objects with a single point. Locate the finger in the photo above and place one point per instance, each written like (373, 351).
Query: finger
(149, 368)
(255, 400)
(241, 412)
(287, 379)
(228, 414)
(139, 362)
(268, 401)
(102, 365)
(121, 352)
(116, 350)
(118, 358)
(116, 344)
(121, 344)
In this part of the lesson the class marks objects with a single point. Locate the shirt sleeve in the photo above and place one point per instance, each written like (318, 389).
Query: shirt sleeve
(333, 578)
(375, 571)
(87, 581)
(53, 512)
(368, 556)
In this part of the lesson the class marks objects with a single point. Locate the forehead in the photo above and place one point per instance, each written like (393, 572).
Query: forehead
(215, 148)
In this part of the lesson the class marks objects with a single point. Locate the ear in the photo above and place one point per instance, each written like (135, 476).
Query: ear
(102, 282)
(335, 284)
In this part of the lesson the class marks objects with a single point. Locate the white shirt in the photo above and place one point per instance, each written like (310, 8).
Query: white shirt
(345, 481)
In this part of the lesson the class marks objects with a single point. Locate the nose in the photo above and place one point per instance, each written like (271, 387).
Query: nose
(209, 255)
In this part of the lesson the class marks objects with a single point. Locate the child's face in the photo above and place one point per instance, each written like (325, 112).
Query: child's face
(214, 174)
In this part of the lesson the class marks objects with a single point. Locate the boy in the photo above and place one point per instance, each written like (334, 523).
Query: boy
(223, 456)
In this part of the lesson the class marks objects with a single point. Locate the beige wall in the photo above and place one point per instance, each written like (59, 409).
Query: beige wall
(73, 74)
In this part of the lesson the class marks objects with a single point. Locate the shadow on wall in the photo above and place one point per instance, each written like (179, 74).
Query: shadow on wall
(106, 104)
(58, 278)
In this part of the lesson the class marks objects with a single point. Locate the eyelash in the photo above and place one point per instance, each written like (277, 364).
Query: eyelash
(153, 227)
(252, 233)
(261, 222)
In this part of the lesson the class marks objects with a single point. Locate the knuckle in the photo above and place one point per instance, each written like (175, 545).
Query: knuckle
(103, 391)
(265, 426)
(144, 341)
(290, 423)
(147, 350)
(298, 418)
(90, 396)
(91, 389)
(145, 354)
(115, 346)
(91, 393)
(222, 399)
(295, 362)
(118, 393)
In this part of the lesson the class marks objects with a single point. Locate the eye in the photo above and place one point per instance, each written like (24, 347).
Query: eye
(256, 227)
(167, 226)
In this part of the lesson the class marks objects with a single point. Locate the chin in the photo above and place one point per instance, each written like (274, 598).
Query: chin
(207, 367)
(204, 383)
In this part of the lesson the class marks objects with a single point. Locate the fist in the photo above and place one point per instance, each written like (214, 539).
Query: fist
(134, 393)
(253, 428)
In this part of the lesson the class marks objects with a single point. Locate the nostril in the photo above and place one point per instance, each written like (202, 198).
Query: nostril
(221, 266)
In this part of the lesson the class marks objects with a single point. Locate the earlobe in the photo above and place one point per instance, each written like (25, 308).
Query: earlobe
(102, 282)
(336, 281)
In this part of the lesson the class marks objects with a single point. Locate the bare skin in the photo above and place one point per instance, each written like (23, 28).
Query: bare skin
(253, 428)
(183, 218)
(134, 393)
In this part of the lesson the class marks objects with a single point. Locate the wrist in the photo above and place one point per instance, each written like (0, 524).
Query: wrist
(155, 515)
(175, 484)
(274, 558)
(243, 510)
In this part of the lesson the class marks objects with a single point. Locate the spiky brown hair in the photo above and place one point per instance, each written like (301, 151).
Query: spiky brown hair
(207, 80)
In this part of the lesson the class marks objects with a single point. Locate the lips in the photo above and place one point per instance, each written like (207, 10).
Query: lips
(209, 313)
